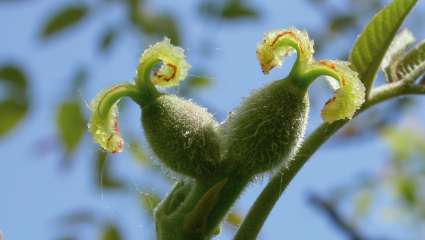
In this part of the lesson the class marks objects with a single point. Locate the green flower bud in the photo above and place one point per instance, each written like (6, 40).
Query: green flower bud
(270, 124)
(182, 134)
(266, 128)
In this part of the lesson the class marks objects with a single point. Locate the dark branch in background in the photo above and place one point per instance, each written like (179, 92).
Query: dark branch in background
(329, 208)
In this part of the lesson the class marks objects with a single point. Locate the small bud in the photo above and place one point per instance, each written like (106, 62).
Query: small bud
(104, 125)
(278, 44)
(348, 97)
(181, 133)
(174, 66)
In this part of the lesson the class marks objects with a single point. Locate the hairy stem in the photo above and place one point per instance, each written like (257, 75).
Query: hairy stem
(278, 183)
(114, 94)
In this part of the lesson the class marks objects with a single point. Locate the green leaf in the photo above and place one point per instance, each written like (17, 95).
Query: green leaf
(14, 107)
(64, 19)
(12, 113)
(149, 202)
(412, 66)
(70, 124)
(110, 232)
(372, 44)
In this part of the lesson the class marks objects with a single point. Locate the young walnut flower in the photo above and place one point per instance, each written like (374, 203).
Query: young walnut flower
(269, 125)
(350, 94)
(103, 124)
(278, 44)
(174, 68)
(181, 133)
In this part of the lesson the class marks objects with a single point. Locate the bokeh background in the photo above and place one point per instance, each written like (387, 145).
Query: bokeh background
(367, 183)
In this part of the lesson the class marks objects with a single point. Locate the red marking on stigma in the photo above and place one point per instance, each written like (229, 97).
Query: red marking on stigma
(167, 79)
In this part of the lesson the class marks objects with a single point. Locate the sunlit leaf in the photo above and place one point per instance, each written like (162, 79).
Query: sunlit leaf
(234, 219)
(64, 19)
(372, 44)
(70, 124)
(110, 232)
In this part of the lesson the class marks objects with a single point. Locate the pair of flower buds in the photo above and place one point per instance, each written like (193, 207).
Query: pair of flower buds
(263, 131)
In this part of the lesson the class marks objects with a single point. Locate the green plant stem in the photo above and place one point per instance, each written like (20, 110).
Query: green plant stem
(271, 193)
(112, 95)
(228, 195)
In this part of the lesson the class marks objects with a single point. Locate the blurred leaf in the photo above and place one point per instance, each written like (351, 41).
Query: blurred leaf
(79, 79)
(372, 44)
(104, 179)
(107, 39)
(14, 76)
(15, 106)
(111, 232)
(406, 188)
(162, 25)
(400, 142)
(64, 238)
(362, 203)
(234, 219)
(199, 82)
(340, 23)
(64, 19)
(151, 23)
(78, 217)
(149, 201)
(12, 113)
(70, 124)
(230, 10)
(138, 153)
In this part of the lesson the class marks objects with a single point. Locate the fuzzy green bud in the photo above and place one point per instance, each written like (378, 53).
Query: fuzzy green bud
(270, 124)
(182, 134)
(266, 128)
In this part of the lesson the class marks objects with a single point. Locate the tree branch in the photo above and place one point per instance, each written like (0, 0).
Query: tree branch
(335, 216)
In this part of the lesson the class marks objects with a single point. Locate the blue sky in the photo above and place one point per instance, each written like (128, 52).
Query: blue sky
(35, 191)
